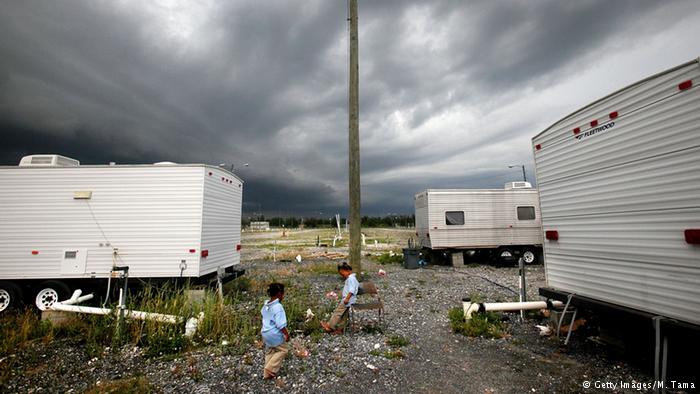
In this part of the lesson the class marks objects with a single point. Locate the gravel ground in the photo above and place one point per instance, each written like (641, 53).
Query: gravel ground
(417, 301)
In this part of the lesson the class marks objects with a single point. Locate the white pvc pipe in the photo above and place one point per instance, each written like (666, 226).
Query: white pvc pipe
(67, 306)
(138, 315)
(76, 298)
(471, 308)
(514, 306)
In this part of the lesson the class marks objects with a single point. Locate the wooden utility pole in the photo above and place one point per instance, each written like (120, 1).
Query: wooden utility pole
(354, 143)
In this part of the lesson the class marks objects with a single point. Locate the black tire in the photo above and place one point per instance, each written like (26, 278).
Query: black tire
(49, 292)
(10, 296)
(530, 256)
(504, 256)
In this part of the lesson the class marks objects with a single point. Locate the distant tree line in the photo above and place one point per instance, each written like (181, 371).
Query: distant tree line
(387, 221)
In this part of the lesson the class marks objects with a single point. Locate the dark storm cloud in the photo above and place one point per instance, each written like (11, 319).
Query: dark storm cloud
(266, 83)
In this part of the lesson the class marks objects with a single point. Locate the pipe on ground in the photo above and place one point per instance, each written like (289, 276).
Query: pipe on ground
(67, 306)
(76, 298)
(472, 307)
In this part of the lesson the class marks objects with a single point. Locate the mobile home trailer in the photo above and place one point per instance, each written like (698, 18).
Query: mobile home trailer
(619, 184)
(484, 223)
(65, 226)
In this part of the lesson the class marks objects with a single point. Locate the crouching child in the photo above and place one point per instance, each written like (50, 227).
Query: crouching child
(274, 331)
(350, 290)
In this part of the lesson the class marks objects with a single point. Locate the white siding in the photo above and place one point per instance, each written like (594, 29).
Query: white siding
(490, 218)
(151, 213)
(221, 226)
(621, 199)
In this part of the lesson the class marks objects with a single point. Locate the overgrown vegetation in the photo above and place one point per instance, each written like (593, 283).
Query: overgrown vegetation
(390, 257)
(233, 321)
(20, 328)
(487, 325)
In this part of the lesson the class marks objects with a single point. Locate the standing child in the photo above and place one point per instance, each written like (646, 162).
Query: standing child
(350, 290)
(274, 330)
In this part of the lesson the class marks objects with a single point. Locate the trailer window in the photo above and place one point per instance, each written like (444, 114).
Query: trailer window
(526, 213)
(454, 218)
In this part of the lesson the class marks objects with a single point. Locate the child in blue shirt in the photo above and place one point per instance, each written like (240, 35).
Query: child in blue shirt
(350, 289)
(274, 331)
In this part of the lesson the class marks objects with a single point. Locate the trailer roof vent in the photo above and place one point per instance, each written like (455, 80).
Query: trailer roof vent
(164, 163)
(48, 161)
(518, 185)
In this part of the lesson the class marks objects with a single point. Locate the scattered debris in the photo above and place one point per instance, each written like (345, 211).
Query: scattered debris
(299, 349)
(309, 315)
(372, 367)
(574, 326)
(382, 273)
(545, 331)
(332, 295)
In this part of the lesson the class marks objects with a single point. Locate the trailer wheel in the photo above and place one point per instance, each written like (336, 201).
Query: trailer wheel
(10, 296)
(50, 292)
(529, 256)
(504, 255)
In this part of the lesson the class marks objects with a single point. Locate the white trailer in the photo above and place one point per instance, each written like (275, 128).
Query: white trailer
(619, 184)
(65, 226)
(484, 223)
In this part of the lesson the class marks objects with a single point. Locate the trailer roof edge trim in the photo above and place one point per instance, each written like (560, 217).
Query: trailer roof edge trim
(686, 64)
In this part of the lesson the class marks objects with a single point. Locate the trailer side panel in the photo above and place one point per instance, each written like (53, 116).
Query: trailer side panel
(619, 182)
(150, 214)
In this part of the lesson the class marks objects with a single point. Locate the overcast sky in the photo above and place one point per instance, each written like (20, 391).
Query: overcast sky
(451, 92)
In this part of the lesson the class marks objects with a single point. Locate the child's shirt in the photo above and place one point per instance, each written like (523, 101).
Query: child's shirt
(351, 286)
(273, 321)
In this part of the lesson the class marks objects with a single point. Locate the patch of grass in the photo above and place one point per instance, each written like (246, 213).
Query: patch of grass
(372, 329)
(124, 386)
(20, 328)
(239, 285)
(235, 319)
(390, 257)
(397, 341)
(476, 297)
(389, 354)
(486, 325)
(533, 314)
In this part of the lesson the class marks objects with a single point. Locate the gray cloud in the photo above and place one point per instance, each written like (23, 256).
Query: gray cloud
(451, 91)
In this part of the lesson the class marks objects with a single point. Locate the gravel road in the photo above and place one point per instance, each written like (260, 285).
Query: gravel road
(417, 301)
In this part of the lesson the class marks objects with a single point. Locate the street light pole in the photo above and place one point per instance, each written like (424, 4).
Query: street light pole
(523, 167)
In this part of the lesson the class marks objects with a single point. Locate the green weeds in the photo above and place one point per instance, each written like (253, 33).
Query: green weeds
(397, 341)
(390, 257)
(487, 325)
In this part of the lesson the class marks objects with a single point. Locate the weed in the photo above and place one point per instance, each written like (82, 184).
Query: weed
(397, 341)
(239, 285)
(372, 329)
(390, 257)
(126, 386)
(487, 325)
(19, 329)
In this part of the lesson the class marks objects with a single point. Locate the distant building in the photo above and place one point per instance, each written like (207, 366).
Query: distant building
(259, 226)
